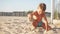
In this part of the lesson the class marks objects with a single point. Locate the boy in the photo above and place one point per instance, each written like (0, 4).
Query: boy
(37, 16)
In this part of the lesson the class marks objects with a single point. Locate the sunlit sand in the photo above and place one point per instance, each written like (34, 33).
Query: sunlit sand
(19, 25)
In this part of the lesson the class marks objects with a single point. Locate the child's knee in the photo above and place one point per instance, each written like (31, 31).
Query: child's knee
(34, 25)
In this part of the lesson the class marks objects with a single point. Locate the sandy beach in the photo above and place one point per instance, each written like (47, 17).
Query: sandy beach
(19, 25)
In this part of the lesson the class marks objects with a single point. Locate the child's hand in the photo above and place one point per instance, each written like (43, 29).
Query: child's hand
(29, 16)
(49, 28)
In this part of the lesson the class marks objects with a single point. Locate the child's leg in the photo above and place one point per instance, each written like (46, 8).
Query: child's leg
(34, 24)
(43, 25)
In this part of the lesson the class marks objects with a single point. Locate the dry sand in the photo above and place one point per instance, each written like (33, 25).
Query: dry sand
(19, 25)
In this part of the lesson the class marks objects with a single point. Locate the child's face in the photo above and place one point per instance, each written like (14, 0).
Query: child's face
(39, 10)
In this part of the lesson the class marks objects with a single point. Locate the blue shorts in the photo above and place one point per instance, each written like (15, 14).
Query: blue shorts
(40, 24)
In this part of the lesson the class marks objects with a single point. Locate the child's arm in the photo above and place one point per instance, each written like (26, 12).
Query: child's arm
(45, 19)
(31, 16)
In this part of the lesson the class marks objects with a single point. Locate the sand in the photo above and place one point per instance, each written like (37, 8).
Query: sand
(19, 25)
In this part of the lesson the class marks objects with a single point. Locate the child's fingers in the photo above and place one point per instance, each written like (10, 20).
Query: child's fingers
(29, 15)
(43, 25)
